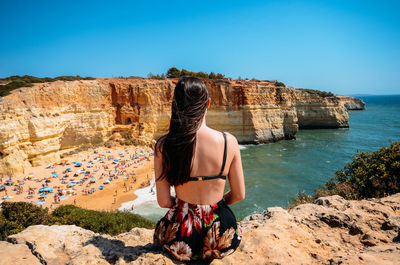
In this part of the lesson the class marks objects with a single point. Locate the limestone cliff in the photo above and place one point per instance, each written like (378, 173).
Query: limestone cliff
(331, 230)
(38, 122)
(352, 103)
(314, 112)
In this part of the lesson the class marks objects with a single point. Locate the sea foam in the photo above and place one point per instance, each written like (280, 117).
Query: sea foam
(146, 203)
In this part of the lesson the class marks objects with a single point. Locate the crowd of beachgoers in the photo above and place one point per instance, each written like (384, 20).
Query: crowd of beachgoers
(70, 179)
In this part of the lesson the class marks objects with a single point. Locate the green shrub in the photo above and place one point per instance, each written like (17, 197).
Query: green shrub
(279, 84)
(174, 72)
(369, 175)
(157, 76)
(17, 216)
(317, 92)
(301, 198)
(112, 223)
(6, 89)
(17, 81)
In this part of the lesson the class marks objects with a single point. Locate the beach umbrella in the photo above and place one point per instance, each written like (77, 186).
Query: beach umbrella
(45, 189)
(43, 194)
(102, 186)
(68, 169)
(54, 174)
(9, 182)
(93, 178)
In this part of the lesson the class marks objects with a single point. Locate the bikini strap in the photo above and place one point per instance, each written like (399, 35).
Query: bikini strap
(220, 176)
(224, 160)
(200, 178)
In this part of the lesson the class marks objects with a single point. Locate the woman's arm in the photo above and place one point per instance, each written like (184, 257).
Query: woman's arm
(163, 187)
(235, 176)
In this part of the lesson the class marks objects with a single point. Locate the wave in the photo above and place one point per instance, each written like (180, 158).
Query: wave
(146, 203)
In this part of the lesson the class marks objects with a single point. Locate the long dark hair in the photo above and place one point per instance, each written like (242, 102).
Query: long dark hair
(178, 146)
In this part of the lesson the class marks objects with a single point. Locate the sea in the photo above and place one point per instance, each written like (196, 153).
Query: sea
(276, 172)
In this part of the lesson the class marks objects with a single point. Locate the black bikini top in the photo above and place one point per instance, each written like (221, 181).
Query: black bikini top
(219, 176)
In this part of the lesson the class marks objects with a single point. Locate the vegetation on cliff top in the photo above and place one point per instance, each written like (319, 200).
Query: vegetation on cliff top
(17, 216)
(13, 82)
(318, 92)
(369, 175)
(174, 72)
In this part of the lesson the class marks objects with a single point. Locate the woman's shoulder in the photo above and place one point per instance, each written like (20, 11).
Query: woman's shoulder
(231, 139)
(159, 144)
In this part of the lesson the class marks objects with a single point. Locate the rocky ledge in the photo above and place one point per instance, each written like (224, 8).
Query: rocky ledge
(331, 230)
(351, 103)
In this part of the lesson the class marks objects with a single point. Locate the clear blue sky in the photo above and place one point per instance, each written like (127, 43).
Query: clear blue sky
(346, 47)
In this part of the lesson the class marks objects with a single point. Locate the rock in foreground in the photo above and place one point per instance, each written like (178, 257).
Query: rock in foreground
(332, 230)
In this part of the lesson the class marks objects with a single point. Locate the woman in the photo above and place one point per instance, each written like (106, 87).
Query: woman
(199, 224)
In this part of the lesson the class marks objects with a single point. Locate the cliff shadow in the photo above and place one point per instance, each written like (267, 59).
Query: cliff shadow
(114, 249)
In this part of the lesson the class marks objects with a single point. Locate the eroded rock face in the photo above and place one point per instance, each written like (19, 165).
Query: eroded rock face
(19, 254)
(38, 122)
(315, 112)
(332, 230)
(351, 103)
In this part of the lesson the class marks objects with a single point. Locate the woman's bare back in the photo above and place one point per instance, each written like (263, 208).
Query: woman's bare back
(207, 161)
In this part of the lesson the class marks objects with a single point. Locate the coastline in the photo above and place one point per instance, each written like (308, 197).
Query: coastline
(145, 203)
(104, 200)
(115, 173)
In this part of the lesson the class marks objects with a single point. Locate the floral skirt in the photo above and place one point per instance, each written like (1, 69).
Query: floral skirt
(191, 232)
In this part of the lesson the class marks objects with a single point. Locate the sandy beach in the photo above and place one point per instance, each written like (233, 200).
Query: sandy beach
(99, 179)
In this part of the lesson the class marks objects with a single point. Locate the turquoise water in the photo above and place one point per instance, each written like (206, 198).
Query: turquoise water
(276, 172)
